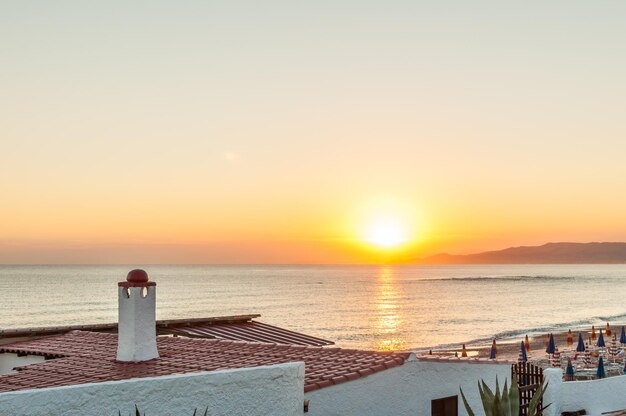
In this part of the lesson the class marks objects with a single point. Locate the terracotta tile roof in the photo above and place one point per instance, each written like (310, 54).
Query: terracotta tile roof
(238, 327)
(252, 331)
(89, 357)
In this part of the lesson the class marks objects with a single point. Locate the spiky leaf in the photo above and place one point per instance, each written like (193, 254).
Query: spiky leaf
(487, 390)
(486, 396)
(497, 389)
(534, 402)
(495, 408)
(505, 407)
(468, 409)
(514, 399)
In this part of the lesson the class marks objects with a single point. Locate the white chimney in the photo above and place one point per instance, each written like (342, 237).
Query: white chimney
(137, 318)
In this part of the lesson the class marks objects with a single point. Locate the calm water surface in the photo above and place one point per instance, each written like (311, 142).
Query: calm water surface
(370, 307)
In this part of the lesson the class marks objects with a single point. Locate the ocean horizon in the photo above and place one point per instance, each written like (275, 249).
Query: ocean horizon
(374, 307)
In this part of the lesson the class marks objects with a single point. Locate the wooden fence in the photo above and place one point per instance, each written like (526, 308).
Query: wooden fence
(529, 378)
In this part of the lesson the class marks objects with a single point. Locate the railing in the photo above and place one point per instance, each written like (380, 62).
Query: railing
(529, 378)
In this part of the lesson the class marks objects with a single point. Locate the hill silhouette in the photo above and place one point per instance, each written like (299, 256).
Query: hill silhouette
(550, 253)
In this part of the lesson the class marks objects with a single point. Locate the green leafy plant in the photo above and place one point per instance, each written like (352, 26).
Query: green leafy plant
(138, 413)
(507, 403)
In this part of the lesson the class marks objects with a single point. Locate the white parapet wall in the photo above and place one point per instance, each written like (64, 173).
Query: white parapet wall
(408, 390)
(259, 391)
(594, 396)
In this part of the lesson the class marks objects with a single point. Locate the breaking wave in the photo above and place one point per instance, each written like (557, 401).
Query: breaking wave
(522, 278)
(559, 327)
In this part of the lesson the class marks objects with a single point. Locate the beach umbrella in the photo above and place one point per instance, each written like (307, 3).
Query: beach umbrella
(551, 347)
(581, 344)
(556, 358)
(600, 373)
(569, 371)
(463, 351)
(622, 338)
(527, 342)
(570, 337)
(522, 354)
(494, 350)
(601, 340)
(547, 340)
(608, 330)
(613, 347)
(587, 356)
(593, 333)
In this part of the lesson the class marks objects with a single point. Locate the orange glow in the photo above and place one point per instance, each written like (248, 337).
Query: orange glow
(329, 144)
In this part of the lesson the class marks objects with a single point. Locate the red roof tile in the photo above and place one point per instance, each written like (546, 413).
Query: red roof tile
(238, 327)
(252, 331)
(89, 357)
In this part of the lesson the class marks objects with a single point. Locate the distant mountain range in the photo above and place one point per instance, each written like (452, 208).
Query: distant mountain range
(564, 253)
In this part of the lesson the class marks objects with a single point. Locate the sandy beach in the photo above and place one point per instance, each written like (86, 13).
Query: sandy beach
(509, 349)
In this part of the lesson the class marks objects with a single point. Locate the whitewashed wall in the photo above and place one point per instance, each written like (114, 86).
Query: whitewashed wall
(408, 389)
(595, 396)
(9, 360)
(260, 391)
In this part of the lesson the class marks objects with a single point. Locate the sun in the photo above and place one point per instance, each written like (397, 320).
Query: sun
(386, 234)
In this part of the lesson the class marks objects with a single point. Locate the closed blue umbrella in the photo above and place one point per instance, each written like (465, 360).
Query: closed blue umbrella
(600, 373)
(569, 371)
(523, 355)
(601, 340)
(622, 338)
(581, 345)
(493, 352)
(551, 346)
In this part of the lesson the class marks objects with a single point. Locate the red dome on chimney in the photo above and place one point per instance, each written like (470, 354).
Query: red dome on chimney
(137, 276)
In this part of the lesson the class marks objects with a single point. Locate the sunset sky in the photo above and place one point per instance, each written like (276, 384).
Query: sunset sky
(303, 132)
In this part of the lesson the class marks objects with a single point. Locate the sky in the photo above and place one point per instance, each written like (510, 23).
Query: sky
(286, 131)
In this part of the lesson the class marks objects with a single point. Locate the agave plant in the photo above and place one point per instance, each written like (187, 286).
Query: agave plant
(507, 403)
(138, 413)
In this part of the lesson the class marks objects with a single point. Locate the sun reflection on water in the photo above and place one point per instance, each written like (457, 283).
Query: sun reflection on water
(389, 322)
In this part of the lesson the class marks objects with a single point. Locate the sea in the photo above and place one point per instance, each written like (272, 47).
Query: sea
(371, 307)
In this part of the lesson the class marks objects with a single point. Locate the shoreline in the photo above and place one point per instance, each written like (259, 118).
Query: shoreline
(509, 348)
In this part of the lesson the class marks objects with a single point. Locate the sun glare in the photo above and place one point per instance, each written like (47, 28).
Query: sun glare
(386, 234)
